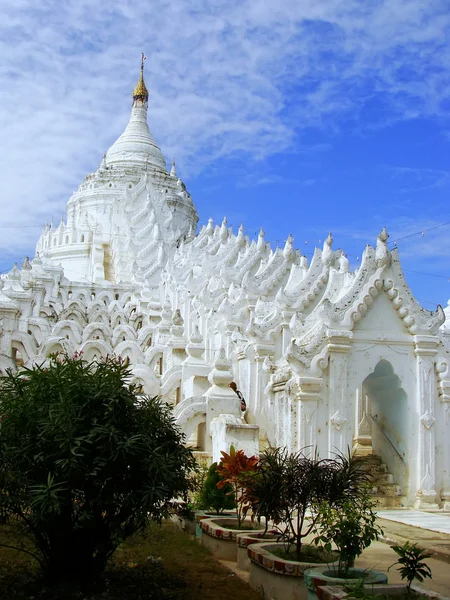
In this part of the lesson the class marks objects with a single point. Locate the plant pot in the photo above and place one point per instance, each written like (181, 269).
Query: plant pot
(394, 591)
(203, 514)
(244, 540)
(219, 535)
(276, 578)
(185, 524)
(316, 577)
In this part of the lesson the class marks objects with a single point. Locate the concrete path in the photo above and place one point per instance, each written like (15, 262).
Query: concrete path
(397, 530)
(434, 521)
(380, 556)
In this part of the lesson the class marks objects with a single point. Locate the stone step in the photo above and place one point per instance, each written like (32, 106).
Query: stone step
(379, 479)
(371, 462)
(381, 468)
(387, 490)
(389, 502)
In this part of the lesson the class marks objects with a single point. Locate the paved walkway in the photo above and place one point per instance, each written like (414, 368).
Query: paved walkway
(434, 521)
(400, 526)
(431, 531)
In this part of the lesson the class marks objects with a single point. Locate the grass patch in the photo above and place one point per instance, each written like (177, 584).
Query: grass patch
(161, 563)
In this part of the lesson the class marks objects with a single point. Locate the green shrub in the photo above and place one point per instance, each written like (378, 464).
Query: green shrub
(83, 462)
(289, 488)
(213, 498)
(411, 563)
(350, 526)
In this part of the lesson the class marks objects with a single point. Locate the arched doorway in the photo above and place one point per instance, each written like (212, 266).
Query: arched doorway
(382, 420)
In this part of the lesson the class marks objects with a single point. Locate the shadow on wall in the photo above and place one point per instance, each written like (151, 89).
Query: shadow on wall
(389, 407)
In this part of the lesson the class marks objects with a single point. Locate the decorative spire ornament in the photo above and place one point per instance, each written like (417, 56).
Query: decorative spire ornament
(140, 91)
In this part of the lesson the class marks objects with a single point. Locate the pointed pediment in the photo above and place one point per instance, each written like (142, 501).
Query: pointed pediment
(381, 317)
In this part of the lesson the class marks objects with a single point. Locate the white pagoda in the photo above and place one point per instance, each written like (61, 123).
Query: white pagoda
(325, 357)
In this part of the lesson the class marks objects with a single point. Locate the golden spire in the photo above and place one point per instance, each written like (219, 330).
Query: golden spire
(140, 91)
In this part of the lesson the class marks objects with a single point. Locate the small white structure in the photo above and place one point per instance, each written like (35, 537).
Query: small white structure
(325, 357)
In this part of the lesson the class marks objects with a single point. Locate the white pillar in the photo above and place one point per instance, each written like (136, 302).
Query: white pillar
(426, 396)
(339, 428)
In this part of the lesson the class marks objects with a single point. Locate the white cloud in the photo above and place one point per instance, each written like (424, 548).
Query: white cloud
(226, 78)
(412, 179)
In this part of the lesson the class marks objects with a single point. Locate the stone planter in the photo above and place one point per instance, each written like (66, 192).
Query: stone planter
(244, 540)
(316, 577)
(202, 514)
(218, 536)
(275, 578)
(185, 524)
(394, 591)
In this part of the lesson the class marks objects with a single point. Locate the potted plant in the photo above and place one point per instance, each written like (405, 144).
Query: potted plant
(412, 567)
(221, 532)
(350, 527)
(261, 495)
(213, 498)
(234, 469)
(292, 488)
(209, 500)
(411, 564)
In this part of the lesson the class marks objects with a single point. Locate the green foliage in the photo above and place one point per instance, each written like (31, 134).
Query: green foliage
(83, 462)
(356, 590)
(213, 498)
(289, 485)
(196, 483)
(350, 525)
(411, 563)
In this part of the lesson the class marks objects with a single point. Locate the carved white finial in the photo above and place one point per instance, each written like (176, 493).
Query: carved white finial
(196, 336)
(327, 252)
(344, 264)
(304, 262)
(223, 234)
(240, 239)
(173, 172)
(14, 273)
(166, 312)
(382, 254)
(177, 319)
(261, 244)
(221, 375)
(289, 252)
(26, 265)
(383, 236)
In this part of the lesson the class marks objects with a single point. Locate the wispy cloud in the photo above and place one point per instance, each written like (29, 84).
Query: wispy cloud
(226, 78)
(411, 179)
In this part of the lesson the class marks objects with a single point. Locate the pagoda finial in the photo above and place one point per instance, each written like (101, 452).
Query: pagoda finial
(140, 91)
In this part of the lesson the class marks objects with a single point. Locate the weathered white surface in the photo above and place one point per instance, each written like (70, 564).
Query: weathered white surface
(316, 349)
(419, 518)
(229, 430)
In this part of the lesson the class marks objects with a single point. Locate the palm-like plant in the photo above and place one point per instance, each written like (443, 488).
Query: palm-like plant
(288, 488)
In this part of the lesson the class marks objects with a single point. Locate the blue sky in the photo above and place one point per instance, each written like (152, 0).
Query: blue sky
(301, 116)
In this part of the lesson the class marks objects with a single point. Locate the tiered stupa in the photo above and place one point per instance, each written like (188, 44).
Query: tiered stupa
(325, 357)
(129, 215)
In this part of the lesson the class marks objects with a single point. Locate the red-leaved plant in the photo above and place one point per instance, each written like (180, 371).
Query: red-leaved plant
(234, 469)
